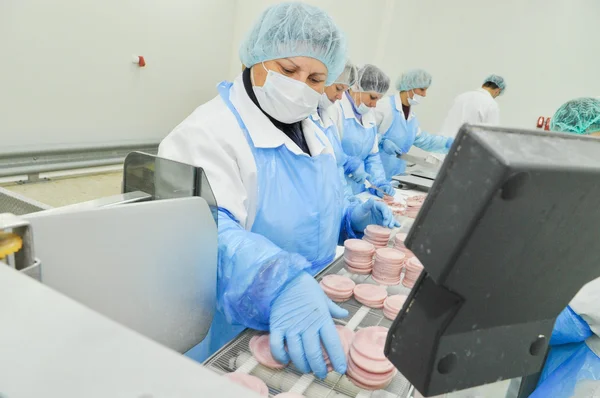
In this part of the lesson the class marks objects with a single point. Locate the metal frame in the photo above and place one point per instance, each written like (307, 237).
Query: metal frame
(34, 162)
(12, 202)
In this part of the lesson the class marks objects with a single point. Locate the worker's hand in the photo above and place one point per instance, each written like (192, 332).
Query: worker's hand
(359, 175)
(301, 319)
(371, 212)
(390, 148)
(387, 188)
(449, 142)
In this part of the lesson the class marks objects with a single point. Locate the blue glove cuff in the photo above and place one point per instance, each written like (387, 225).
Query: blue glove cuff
(351, 164)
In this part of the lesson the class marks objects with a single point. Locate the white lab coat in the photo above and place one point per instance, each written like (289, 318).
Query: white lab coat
(212, 139)
(341, 110)
(474, 107)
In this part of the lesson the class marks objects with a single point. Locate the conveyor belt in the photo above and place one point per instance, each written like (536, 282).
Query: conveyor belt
(236, 355)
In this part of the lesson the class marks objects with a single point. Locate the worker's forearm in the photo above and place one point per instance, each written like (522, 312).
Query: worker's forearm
(431, 143)
(252, 271)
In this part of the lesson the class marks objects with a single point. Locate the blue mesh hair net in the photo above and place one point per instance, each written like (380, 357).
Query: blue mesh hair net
(296, 30)
(371, 78)
(416, 78)
(578, 116)
(348, 76)
(498, 81)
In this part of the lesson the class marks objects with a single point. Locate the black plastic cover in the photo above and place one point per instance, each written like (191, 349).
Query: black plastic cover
(507, 235)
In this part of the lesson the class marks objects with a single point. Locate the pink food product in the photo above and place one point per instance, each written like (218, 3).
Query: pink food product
(413, 271)
(346, 338)
(392, 305)
(337, 287)
(358, 256)
(250, 382)
(261, 350)
(377, 235)
(399, 240)
(406, 252)
(388, 266)
(368, 367)
(370, 295)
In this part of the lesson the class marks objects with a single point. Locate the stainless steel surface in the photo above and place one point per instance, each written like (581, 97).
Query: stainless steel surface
(52, 346)
(34, 162)
(149, 266)
(11, 202)
(236, 355)
(24, 260)
(423, 183)
(431, 163)
(115, 200)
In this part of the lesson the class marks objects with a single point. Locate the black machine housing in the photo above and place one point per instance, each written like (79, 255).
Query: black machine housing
(507, 235)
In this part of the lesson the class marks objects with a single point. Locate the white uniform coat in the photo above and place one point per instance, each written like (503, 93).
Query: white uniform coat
(211, 138)
(473, 107)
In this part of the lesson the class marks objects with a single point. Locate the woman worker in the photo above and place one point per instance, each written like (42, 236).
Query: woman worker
(573, 364)
(398, 127)
(335, 91)
(358, 133)
(332, 94)
(281, 208)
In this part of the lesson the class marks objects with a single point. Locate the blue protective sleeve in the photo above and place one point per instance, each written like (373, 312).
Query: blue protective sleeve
(346, 231)
(432, 143)
(566, 365)
(569, 328)
(251, 273)
(374, 168)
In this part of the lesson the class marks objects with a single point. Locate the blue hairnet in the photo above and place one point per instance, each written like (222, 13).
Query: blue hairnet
(578, 116)
(371, 78)
(348, 76)
(416, 78)
(498, 81)
(296, 30)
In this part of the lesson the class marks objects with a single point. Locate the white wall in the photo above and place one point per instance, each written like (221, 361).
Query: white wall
(548, 50)
(66, 77)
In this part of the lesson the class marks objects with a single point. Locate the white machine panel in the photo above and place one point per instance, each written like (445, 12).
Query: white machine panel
(150, 266)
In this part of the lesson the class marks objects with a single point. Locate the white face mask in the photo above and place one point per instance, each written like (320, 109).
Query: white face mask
(286, 99)
(324, 102)
(363, 109)
(415, 100)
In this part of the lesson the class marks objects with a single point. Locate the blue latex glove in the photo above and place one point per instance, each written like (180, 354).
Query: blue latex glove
(449, 142)
(387, 188)
(359, 175)
(301, 318)
(390, 148)
(371, 212)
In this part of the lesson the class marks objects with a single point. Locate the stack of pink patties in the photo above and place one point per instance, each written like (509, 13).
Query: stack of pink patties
(388, 266)
(252, 383)
(392, 306)
(261, 350)
(337, 287)
(368, 367)
(413, 269)
(358, 255)
(399, 240)
(399, 245)
(346, 338)
(414, 206)
(370, 295)
(377, 235)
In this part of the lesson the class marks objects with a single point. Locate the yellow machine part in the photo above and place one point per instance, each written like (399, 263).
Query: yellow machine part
(9, 243)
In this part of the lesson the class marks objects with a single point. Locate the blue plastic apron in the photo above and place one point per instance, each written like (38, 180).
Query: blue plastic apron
(403, 134)
(300, 206)
(358, 142)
